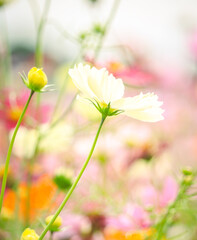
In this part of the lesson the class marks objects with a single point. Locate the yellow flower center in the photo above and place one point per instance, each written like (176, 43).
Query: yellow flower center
(14, 113)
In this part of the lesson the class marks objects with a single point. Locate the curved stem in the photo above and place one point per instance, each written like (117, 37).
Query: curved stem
(10, 150)
(53, 124)
(75, 182)
(59, 98)
(62, 31)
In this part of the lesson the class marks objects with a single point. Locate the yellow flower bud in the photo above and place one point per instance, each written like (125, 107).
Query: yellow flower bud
(56, 224)
(37, 79)
(29, 234)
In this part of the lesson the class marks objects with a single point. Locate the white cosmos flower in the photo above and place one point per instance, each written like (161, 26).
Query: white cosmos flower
(106, 92)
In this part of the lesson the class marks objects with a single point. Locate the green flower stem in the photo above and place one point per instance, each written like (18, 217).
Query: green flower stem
(34, 6)
(10, 150)
(67, 110)
(163, 224)
(64, 84)
(38, 53)
(75, 182)
(106, 27)
(59, 28)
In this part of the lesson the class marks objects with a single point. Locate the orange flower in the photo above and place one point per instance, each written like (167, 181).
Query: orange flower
(145, 234)
(40, 196)
(113, 234)
(134, 236)
(14, 113)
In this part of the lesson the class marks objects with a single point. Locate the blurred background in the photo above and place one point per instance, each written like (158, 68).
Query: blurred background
(135, 171)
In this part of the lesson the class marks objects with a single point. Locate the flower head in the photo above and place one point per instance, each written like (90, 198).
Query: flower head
(106, 93)
(29, 234)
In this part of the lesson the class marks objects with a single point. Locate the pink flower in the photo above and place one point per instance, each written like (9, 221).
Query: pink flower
(160, 199)
(133, 75)
(12, 107)
(132, 218)
(74, 226)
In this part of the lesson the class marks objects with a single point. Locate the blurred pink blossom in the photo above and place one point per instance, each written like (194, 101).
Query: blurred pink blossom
(132, 218)
(160, 199)
(12, 107)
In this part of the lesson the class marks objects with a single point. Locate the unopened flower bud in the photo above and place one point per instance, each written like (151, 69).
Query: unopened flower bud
(29, 234)
(187, 171)
(37, 79)
(63, 179)
(188, 180)
(56, 224)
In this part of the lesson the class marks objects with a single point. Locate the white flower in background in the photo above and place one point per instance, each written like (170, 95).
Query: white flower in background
(106, 93)
(56, 140)
(25, 143)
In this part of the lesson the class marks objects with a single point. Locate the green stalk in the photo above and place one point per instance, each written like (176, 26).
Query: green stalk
(38, 50)
(106, 27)
(38, 53)
(75, 182)
(10, 150)
(163, 224)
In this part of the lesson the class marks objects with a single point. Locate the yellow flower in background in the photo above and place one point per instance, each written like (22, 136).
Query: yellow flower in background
(113, 234)
(135, 236)
(106, 93)
(37, 79)
(7, 214)
(29, 234)
(56, 224)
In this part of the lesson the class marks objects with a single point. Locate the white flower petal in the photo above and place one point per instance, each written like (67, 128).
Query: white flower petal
(144, 107)
(79, 75)
(112, 88)
(97, 84)
(149, 115)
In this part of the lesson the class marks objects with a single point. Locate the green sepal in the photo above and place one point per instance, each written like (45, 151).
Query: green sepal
(106, 111)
